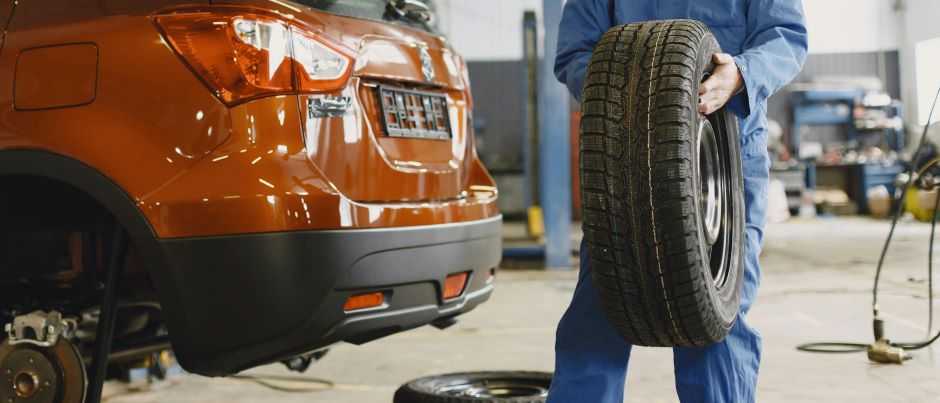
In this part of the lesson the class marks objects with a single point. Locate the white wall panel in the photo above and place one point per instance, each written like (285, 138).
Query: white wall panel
(486, 29)
(491, 29)
(843, 26)
(921, 22)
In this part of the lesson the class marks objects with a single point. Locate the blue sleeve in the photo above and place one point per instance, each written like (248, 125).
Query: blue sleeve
(774, 51)
(583, 22)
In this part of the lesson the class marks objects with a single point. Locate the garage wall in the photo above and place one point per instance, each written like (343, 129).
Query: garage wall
(851, 26)
(497, 95)
(921, 21)
(847, 37)
(485, 30)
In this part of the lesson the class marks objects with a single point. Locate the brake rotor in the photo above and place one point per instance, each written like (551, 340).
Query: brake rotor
(32, 374)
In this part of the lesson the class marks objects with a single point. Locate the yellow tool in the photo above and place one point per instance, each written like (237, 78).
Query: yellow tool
(536, 222)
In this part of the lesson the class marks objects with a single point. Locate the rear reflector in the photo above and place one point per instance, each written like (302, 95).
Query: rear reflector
(454, 285)
(364, 301)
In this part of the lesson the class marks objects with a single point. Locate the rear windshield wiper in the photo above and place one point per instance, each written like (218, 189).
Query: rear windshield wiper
(411, 10)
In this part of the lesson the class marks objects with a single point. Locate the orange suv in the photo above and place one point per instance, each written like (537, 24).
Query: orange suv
(290, 174)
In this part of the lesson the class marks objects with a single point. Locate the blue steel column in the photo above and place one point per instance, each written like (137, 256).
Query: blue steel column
(555, 147)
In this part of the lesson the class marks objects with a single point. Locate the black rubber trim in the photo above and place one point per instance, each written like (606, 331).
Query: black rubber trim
(245, 300)
(82, 177)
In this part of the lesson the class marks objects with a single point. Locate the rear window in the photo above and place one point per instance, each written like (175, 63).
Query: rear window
(374, 10)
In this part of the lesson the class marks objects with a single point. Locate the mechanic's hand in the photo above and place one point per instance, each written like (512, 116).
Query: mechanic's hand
(718, 89)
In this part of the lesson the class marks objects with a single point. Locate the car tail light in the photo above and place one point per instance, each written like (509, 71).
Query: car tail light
(364, 301)
(242, 55)
(454, 285)
(320, 66)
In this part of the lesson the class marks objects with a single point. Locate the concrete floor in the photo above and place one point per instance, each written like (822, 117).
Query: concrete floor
(817, 282)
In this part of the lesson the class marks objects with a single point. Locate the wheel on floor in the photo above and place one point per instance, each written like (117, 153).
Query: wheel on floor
(477, 387)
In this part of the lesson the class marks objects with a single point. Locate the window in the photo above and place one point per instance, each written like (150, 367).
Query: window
(371, 9)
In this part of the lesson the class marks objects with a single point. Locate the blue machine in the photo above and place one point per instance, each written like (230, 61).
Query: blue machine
(836, 107)
(833, 107)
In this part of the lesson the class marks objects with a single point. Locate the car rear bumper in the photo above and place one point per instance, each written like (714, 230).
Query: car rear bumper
(238, 301)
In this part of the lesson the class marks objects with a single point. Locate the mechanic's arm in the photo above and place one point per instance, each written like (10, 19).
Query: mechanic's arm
(774, 52)
(583, 22)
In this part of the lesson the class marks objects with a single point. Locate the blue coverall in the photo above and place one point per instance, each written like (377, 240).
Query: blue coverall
(769, 43)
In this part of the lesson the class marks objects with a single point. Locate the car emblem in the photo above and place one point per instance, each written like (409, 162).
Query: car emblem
(426, 66)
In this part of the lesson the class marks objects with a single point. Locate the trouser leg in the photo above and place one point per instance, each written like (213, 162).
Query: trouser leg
(590, 357)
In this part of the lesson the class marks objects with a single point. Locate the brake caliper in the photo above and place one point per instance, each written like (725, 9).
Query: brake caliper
(40, 329)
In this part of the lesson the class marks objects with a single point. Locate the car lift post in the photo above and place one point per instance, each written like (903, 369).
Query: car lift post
(530, 127)
(107, 315)
(555, 147)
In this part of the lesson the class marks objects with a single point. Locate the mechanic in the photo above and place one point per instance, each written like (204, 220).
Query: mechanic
(766, 41)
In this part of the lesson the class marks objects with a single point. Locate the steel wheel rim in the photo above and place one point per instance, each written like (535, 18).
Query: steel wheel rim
(710, 182)
(494, 388)
(714, 196)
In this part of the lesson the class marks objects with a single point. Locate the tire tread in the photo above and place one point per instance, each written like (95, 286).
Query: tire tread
(636, 164)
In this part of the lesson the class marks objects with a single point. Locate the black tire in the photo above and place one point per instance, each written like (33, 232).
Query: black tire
(665, 277)
(477, 387)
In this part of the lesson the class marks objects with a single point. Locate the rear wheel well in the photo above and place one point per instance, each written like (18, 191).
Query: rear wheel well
(39, 221)
(35, 201)
(54, 243)
(49, 197)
